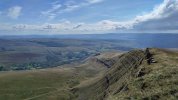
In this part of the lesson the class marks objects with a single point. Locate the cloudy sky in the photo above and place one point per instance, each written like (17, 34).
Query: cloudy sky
(20, 17)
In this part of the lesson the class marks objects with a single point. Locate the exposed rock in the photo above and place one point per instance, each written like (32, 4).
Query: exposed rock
(140, 73)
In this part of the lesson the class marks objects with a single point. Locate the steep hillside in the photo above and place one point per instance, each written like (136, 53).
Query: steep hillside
(115, 77)
(133, 78)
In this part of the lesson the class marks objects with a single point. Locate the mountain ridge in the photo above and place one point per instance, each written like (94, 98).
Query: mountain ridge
(127, 74)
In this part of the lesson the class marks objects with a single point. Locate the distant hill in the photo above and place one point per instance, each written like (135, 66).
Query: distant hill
(27, 54)
(137, 40)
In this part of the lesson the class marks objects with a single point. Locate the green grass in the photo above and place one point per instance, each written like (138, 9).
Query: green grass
(21, 85)
(160, 81)
(27, 84)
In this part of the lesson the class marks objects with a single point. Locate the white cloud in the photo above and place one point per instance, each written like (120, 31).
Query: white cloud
(73, 6)
(69, 6)
(94, 1)
(51, 12)
(14, 12)
(163, 18)
(65, 27)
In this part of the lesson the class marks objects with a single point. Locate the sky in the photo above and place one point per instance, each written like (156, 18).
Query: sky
(21, 17)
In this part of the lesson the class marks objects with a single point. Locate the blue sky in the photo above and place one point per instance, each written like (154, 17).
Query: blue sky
(86, 16)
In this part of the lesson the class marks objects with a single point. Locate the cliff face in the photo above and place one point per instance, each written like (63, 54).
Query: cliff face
(136, 75)
(113, 81)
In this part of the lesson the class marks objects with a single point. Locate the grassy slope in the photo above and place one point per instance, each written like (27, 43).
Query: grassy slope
(41, 84)
(27, 84)
(159, 81)
(108, 83)
(48, 84)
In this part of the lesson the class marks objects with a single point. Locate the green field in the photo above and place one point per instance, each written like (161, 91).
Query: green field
(40, 84)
